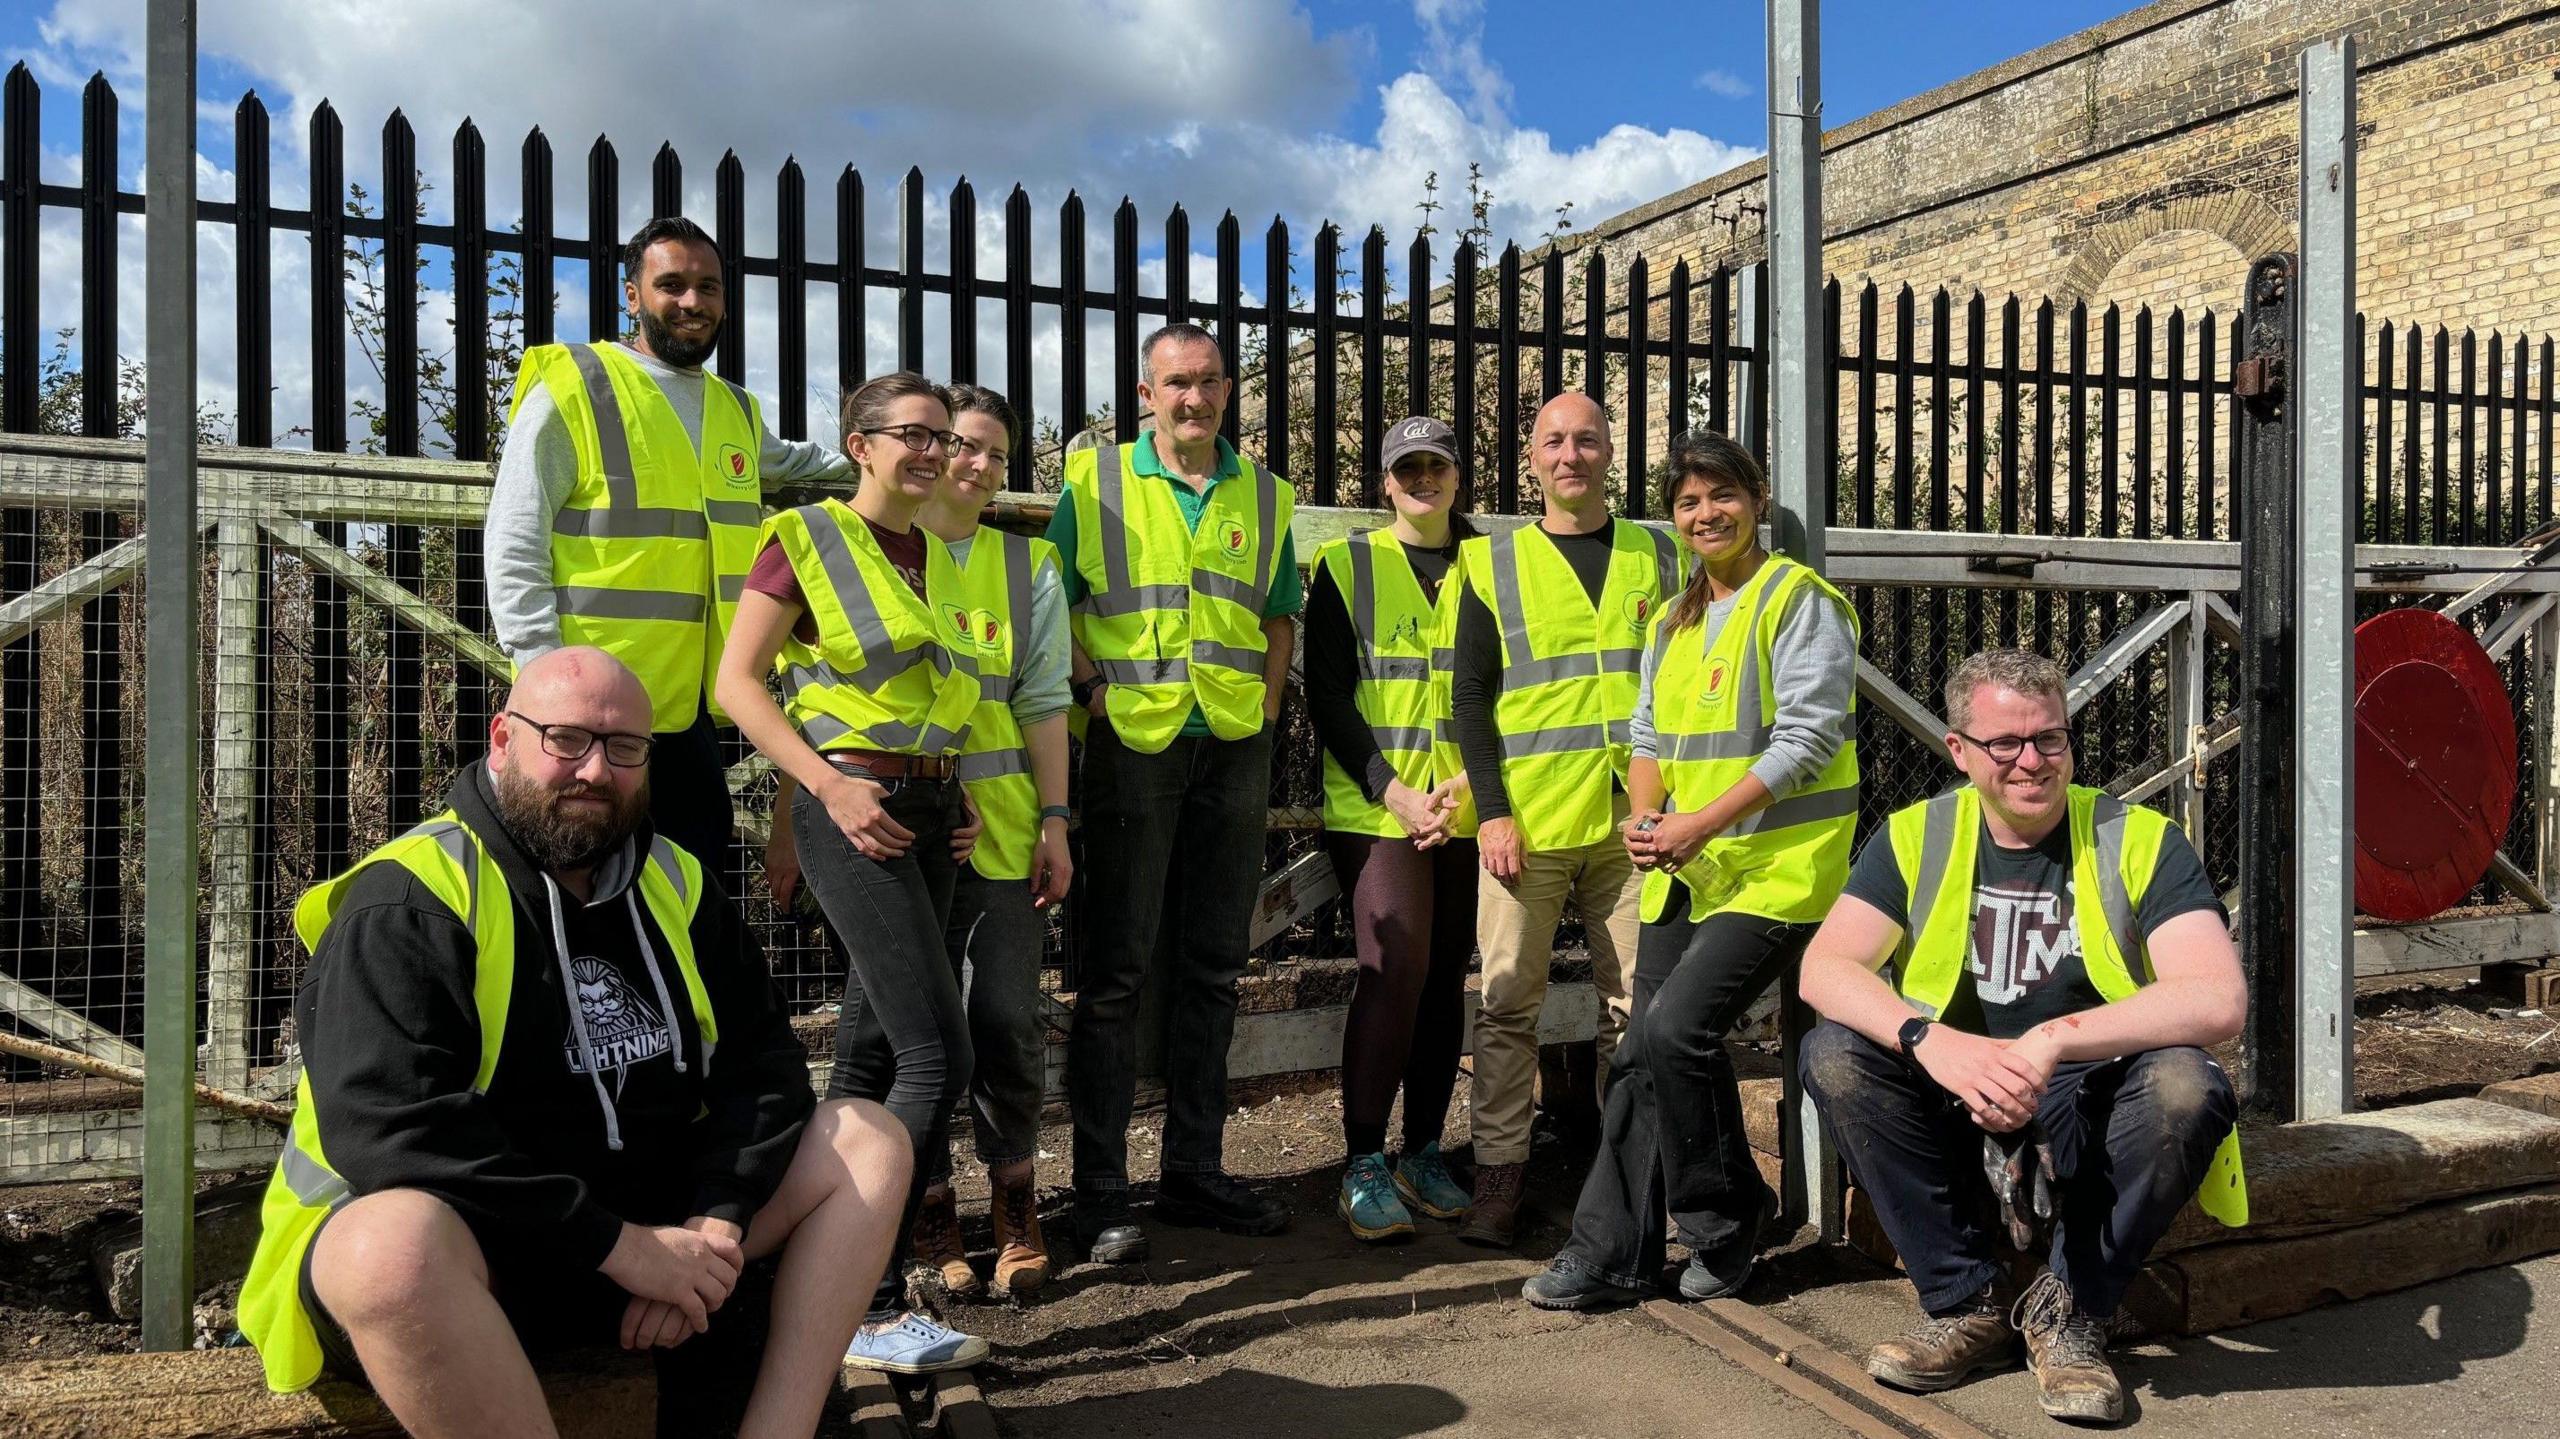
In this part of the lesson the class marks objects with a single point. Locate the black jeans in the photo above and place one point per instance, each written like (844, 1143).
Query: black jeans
(1671, 1133)
(994, 938)
(1173, 853)
(2131, 1139)
(689, 799)
(1413, 919)
(902, 1038)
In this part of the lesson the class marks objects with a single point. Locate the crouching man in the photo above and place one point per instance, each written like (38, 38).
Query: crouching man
(2060, 961)
(550, 1098)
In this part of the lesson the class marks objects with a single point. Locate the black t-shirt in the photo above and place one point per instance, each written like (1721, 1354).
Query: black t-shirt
(2025, 967)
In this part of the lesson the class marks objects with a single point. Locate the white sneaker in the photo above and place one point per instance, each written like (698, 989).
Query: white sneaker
(913, 1345)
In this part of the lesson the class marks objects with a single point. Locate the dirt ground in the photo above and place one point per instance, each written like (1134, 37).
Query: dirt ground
(1281, 1334)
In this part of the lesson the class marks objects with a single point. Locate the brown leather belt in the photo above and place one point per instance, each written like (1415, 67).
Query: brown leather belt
(895, 766)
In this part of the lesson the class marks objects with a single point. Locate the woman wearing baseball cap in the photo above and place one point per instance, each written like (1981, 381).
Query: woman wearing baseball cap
(1381, 617)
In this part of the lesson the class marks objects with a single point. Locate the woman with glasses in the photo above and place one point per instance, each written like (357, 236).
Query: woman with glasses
(856, 608)
(1381, 615)
(1742, 798)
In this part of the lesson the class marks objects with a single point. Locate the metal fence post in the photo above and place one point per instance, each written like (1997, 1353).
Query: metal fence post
(1800, 447)
(169, 770)
(2331, 482)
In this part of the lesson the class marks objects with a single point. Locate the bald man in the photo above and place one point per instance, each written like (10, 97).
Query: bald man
(1551, 636)
(516, 1132)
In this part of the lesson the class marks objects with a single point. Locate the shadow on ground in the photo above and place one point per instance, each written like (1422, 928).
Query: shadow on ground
(1279, 1408)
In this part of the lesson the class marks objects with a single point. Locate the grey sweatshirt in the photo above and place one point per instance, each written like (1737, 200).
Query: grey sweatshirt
(539, 467)
(1040, 671)
(1816, 669)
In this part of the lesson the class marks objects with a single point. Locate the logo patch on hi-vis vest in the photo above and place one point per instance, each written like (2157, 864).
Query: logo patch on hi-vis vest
(1231, 538)
(984, 628)
(1718, 671)
(1639, 609)
(958, 619)
(733, 462)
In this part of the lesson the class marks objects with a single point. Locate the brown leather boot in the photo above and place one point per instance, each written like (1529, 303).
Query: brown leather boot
(1022, 1256)
(937, 1242)
(1943, 1352)
(1495, 1218)
(2067, 1349)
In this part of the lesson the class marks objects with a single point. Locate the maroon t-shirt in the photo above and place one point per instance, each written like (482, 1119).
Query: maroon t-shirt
(772, 574)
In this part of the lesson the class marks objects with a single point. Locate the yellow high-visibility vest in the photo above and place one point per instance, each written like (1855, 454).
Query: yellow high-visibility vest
(1713, 710)
(889, 670)
(1405, 643)
(305, 1188)
(1570, 671)
(2115, 853)
(651, 550)
(1172, 615)
(995, 764)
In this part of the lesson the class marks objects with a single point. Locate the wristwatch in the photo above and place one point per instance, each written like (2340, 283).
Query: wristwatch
(1083, 689)
(1055, 811)
(1914, 1029)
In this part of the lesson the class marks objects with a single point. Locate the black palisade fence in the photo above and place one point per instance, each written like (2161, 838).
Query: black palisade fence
(1999, 416)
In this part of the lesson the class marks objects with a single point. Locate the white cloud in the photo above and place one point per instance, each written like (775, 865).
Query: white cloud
(1725, 83)
(1237, 107)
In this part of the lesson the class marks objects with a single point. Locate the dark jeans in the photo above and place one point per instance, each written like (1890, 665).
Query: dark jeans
(994, 939)
(1413, 920)
(689, 795)
(1671, 1133)
(1173, 848)
(2131, 1139)
(903, 1038)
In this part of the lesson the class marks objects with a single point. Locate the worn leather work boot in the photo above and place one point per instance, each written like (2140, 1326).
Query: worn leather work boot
(1495, 1218)
(2067, 1349)
(937, 1242)
(1022, 1256)
(1942, 1353)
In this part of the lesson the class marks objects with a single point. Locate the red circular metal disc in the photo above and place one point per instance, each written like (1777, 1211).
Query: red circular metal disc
(2435, 763)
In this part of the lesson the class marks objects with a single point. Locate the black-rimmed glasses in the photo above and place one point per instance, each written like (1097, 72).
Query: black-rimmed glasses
(571, 742)
(921, 438)
(2051, 743)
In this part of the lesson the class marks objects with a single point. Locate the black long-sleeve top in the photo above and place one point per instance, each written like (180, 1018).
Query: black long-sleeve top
(1477, 680)
(1333, 669)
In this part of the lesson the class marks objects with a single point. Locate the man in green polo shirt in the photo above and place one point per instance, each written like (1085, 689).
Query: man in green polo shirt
(1181, 581)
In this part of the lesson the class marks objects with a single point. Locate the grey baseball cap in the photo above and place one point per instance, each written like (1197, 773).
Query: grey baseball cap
(1418, 435)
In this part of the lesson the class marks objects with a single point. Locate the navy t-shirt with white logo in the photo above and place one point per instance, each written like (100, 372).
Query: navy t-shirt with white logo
(2025, 967)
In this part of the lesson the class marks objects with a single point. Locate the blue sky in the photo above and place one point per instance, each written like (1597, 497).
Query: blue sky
(1310, 109)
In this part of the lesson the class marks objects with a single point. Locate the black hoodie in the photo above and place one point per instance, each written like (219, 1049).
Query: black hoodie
(592, 1117)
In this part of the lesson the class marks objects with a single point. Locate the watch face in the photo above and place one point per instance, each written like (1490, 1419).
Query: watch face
(1914, 1030)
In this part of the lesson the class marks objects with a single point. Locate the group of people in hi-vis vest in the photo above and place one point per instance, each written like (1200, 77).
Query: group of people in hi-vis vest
(551, 1096)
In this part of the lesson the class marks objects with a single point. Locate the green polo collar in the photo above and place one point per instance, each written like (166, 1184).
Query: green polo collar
(1142, 458)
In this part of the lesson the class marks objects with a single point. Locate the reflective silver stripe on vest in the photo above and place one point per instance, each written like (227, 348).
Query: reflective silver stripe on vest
(822, 730)
(1937, 849)
(1515, 621)
(596, 602)
(2113, 903)
(1138, 599)
(1227, 587)
(1796, 809)
(995, 689)
(314, 1186)
(455, 841)
(1403, 739)
(992, 763)
(844, 576)
(1266, 507)
(1234, 657)
(746, 514)
(1622, 661)
(1521, 674)
(1560, 739)
(1708, 744)
(1145, 671)
(732, 588)
(662, 850)
(796, 677)
(1442, 657)
(613, 443)
(630, 524)
(1111, 488)
(1394, 667)
(1019, 561)
(1666, 564)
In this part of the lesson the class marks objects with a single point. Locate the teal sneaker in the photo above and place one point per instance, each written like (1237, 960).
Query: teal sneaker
(913, 1345)
(1426, 1186)
(1369, 1203)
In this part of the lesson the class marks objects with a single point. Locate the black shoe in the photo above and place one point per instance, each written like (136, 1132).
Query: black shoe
(1102, 1226)
(1217, 1201)
(1719, 1273)
(1564, 1284)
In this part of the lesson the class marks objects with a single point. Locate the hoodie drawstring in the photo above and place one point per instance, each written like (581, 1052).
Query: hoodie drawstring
(649, 958)
(578, 1014)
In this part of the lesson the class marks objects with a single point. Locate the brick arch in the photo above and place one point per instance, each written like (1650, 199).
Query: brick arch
(2237, 215)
